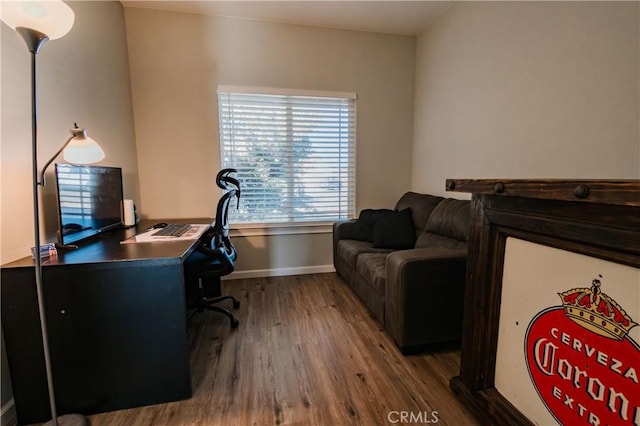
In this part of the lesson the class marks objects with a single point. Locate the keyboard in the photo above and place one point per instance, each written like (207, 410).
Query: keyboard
(172, 230)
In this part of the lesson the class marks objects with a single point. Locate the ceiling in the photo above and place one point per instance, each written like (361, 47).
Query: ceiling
(391, 17)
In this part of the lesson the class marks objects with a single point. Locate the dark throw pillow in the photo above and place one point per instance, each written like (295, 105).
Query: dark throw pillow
(395, 231)
(363, 228)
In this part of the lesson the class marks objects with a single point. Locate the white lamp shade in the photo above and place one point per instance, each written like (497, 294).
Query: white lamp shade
(83, 151)
(51, 17)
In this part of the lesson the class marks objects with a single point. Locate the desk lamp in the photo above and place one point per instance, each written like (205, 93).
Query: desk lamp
(37, 22)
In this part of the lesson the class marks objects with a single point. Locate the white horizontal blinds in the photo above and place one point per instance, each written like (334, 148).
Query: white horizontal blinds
(295, 155)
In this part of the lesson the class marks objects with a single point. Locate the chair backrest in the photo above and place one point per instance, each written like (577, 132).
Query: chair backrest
(220, 229)
(217, 242)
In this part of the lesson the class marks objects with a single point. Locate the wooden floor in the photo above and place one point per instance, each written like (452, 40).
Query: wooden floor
(306, 352)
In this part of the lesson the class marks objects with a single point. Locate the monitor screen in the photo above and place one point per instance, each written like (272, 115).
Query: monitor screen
(89, 200)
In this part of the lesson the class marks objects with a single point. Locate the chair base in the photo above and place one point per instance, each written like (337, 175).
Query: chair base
(203, 303)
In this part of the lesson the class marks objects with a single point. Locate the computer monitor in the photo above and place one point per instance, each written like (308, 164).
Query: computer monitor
(89, 201)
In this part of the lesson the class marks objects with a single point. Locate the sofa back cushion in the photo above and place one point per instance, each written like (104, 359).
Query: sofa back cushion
(421, 206)
(433, 241)
(450, 218)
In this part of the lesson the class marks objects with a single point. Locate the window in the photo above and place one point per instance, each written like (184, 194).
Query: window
(294, 152)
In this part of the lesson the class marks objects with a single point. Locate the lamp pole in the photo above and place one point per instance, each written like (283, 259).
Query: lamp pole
(35, 40)
(37, 21)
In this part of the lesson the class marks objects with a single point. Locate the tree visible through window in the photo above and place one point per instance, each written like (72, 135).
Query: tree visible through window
(295, 154)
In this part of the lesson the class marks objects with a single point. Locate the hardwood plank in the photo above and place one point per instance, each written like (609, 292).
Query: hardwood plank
(307, 352)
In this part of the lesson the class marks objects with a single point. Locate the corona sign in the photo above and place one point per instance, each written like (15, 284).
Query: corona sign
(582, 362)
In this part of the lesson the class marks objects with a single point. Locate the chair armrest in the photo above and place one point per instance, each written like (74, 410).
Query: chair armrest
(218, 253)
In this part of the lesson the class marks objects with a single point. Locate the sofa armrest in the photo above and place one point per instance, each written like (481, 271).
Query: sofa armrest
(341, 231)
(424, 295)
(406, 261)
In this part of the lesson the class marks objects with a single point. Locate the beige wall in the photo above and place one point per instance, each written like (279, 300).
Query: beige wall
(177, 60)
(82, 77)
(523, 90)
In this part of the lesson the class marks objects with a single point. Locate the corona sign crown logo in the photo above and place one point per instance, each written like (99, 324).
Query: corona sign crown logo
(596, 311)
(582, 362)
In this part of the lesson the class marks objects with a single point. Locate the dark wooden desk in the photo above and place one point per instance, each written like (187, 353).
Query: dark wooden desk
(116, 319)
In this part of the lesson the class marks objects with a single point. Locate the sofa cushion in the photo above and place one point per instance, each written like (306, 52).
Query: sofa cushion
(371, 269)
(349, 250)
(450, 218)
(436, 241)
(395, 231)
(373, 300)
(363, 228)
(421, 206)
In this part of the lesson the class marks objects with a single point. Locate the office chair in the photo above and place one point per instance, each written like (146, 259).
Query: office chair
(216, 255)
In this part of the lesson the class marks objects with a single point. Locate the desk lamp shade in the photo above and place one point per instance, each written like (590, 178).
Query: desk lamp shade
(82, 149)
(53, 18)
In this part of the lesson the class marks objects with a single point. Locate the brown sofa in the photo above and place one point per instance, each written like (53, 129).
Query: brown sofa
(415, 288)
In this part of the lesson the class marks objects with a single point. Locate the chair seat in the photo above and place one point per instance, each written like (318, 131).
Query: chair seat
(199, 263)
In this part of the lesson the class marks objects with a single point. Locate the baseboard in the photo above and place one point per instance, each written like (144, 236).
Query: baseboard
(8, 416)
(279, 272)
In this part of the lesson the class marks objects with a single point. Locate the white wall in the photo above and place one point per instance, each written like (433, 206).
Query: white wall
(177, 62)
(527, 90)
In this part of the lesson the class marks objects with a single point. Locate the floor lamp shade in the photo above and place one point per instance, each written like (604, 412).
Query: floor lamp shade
(52, 18)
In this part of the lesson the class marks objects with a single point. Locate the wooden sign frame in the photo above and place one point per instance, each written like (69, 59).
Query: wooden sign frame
(600, 219)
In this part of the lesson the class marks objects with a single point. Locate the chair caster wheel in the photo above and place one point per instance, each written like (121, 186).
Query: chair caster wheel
(234, 323)
(236, 304)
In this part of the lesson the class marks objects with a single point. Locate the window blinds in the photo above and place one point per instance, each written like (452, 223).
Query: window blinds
(295, 155)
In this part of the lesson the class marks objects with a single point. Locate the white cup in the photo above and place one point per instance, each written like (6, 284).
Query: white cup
(129, 209)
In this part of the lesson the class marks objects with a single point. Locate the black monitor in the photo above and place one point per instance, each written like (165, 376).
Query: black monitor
(89, 201)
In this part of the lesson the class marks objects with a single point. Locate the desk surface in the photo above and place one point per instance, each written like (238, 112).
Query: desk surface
(106, 247)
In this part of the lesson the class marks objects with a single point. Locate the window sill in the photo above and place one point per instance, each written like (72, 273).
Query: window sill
(265, 229)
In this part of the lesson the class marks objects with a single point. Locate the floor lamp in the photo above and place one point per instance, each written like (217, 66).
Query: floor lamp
(37, 22)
